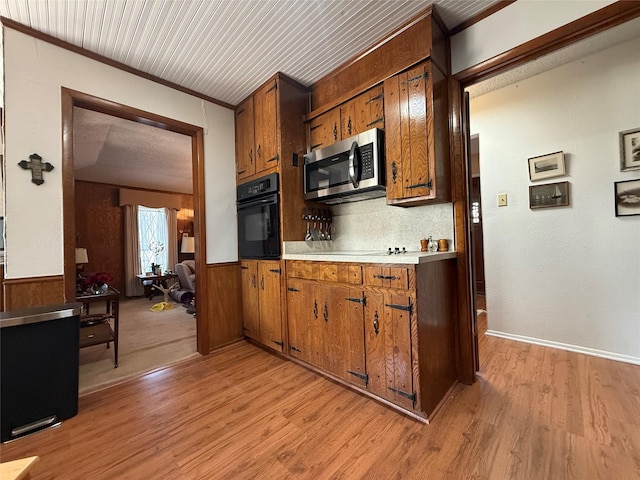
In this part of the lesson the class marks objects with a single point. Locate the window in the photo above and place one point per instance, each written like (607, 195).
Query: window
(153, 237)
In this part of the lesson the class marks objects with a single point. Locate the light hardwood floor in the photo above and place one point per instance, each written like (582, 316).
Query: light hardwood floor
(241, 413)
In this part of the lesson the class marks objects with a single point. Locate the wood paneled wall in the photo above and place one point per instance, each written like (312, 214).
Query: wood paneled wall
(224, 309)
(33, 292)
(100, 228)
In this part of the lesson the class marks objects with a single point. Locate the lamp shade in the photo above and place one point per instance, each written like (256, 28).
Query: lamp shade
(81, 255)
(188, 245)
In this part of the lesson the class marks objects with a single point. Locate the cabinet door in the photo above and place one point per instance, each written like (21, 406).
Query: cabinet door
(342, 332)
(299, 319)
(269, 274)
(364, 112)
(388, 347)
(250, 310)
(324, 130)
(245, 165)
(266, 153)
(408, 106)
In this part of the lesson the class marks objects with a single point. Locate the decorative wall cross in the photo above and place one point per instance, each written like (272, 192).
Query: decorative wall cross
(37, 166)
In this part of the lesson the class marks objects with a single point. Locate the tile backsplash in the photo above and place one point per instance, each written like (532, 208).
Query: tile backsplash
(374, 225)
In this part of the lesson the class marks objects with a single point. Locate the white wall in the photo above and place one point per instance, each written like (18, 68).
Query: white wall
(35, 71)
(569, 275)
(514, 25)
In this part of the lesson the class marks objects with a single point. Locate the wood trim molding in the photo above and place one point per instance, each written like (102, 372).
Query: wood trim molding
(19, 27)
(33, 291)
(71, 98)
(596, 22)
(496, 7)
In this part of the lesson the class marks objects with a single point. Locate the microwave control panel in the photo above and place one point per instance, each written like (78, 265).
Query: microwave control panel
(366, 154)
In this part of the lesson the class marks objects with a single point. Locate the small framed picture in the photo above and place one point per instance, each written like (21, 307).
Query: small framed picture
(547, 166)
(627, 198)
(549, 195)
(630, 150)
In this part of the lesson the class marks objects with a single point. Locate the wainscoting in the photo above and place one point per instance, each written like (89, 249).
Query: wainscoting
(33, 292)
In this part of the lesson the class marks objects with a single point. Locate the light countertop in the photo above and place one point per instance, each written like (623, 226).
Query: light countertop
(322, 252)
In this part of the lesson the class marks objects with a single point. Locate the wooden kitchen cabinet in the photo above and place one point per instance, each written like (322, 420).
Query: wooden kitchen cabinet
(250, 306)
(269, 273)
(361, 113)
(256, 133)
(417, 137)
(324, 130)
(388, 331)
(266, 126)
(388, 338)
(261, 302)
(245, 140)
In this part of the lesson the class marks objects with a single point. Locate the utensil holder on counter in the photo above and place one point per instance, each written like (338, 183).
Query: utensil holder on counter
(318, 224)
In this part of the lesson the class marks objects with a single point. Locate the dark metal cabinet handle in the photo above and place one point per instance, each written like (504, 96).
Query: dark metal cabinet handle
(251, 155)
(315, 309)
(335, 132)
(254, 281)
(349, 126)
(376, 323)
(259, 151)
(262, 283)
(394, 171)
(326, 312)
(386, 277)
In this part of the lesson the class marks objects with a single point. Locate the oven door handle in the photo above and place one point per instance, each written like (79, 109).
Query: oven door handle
(264, 201)
(354, 165)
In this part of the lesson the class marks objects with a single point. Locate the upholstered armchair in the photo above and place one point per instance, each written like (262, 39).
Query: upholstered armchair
(186, 271)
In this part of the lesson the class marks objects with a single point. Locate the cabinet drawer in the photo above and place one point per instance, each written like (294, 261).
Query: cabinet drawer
(302, 269)
(325, 271)
(381, 276)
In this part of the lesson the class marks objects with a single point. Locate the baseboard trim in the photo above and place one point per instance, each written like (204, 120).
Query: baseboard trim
(566, 346)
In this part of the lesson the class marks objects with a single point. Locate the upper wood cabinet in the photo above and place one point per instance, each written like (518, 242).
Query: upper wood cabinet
(270, 131)
(364, 112)
(266, 140)
(245, 140)
(358, 115)
(325, 129)
(416, 137)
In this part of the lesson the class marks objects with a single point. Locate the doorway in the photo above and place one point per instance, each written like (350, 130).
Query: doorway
(71, 99)
(477, 238)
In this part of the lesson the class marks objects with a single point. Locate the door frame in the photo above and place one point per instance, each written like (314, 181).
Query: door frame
(72, 98)
(596, 22)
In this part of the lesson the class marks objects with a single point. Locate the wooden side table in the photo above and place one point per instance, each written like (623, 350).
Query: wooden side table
(96, 329)
(160, 283)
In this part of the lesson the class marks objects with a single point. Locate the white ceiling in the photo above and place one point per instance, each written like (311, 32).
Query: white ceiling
(225, 49)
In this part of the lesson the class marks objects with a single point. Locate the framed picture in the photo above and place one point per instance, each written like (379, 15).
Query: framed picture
(630, 150)
(627, 198)
(547, 166)
(549, 195)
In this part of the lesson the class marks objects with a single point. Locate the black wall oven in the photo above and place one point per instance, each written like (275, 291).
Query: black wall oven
(259, 218)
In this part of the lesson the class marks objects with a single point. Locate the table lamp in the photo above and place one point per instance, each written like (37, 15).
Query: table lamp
(188, 245)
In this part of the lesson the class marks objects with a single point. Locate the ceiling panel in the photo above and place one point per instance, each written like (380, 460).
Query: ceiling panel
(225, 49)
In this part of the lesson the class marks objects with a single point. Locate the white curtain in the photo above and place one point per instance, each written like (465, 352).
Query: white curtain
(172, 231)
(132, 266)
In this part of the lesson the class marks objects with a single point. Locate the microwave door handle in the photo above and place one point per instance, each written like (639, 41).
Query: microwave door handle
(354, 165)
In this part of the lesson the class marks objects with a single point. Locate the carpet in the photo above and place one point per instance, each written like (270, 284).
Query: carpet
(148, 341)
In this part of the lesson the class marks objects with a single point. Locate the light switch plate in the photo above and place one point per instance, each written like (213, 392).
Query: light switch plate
(502, 199)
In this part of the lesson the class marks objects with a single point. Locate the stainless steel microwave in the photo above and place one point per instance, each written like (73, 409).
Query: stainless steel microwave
(347, 171)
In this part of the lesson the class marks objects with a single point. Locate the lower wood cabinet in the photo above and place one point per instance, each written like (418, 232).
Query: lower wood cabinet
(391, 336)
(261, 301)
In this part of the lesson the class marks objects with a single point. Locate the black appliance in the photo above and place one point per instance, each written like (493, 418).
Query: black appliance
(347, 171)
(259, 218)
(38, 368)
